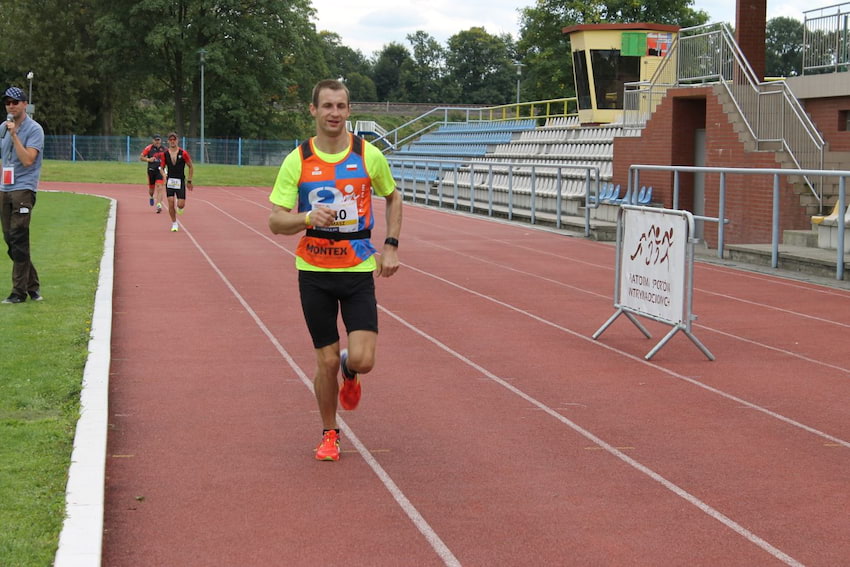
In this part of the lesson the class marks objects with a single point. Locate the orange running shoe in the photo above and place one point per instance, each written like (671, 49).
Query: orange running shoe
(328, 449)
(349, 394)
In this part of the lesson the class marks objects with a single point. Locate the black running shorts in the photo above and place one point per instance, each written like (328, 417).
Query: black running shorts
(179, 193)
(154, 175)
(324, 294)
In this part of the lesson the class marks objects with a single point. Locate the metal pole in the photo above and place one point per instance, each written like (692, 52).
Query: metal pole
(202, 53)
(30, 75)
(519, 67)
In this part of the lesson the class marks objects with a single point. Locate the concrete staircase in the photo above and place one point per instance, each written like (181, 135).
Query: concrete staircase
(832, 160)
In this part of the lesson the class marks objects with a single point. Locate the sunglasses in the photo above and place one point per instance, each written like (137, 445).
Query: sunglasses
(12, 102)
(169, 139)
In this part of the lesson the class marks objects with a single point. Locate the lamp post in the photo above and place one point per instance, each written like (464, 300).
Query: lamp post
(30, 107)
(202, 53)
(519, 67)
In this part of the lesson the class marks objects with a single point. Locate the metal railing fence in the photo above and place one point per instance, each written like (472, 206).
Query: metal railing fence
(525, 186)
(826, 39)
(709, 55)
(238, 151)
(436, 117)
(721, 220)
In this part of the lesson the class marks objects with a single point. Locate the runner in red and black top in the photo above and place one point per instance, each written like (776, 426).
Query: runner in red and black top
(173, 164)
(155, 181)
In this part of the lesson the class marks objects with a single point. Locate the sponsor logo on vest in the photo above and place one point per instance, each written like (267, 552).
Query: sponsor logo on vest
(326, 250)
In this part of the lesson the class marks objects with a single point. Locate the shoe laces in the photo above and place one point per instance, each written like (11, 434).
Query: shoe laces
(330, 438)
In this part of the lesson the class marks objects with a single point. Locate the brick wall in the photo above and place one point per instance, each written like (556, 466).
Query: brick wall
(750, 32)
(825, 112)
(668, 140)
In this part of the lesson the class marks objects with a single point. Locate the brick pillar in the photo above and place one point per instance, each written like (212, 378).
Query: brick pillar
(750, 32)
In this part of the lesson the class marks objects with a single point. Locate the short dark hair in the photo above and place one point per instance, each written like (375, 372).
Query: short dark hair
(331, 84)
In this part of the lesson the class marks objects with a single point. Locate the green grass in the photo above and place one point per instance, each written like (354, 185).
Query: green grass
(135, 173)
(42, 355)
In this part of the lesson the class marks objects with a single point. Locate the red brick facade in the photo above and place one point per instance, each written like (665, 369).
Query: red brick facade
(668, 139)
(751, 31)
(828, 113)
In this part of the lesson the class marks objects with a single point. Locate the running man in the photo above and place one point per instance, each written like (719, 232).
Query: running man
(173, 167)
(324, 188)
(155, 182)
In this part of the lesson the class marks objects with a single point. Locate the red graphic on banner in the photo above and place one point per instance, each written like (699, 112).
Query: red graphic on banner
(657, 245)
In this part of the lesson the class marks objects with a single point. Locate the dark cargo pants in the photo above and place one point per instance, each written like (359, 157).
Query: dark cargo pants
(15, 213)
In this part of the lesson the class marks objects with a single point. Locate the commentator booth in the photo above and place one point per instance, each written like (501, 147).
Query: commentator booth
(606, 56)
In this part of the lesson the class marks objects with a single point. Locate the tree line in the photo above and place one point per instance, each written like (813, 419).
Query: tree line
(103, 67)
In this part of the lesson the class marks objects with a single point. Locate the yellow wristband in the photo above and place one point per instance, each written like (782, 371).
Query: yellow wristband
(307, 219)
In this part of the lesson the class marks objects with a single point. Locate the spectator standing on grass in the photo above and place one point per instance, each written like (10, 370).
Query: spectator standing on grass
(324, 187)
(173, 165)
(21, 147)
(155, 182)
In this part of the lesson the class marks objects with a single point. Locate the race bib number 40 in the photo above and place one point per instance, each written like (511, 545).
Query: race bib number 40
(345, 216)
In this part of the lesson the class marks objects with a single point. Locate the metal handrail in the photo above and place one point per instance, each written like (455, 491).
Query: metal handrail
(826, 37)
(776, 173)
(708, 55)
(517, 111)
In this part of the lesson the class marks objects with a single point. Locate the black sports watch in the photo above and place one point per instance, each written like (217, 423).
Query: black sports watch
(391, 241)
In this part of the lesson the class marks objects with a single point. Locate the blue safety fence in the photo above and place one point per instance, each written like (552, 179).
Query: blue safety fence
(229, 151)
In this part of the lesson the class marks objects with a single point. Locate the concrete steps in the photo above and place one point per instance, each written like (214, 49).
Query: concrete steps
(792, 258)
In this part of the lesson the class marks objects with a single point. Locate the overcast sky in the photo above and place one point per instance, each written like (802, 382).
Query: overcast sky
(369, 26)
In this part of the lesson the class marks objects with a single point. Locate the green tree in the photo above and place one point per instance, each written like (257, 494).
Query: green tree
(784, 47)
(361, 87)
(261, 57)
(545, 49)
(66, 91)
(350, 65)
(424, 72)
(342, 60)
(481, 66)
(104, 63)
(673, 12)
(387, 72)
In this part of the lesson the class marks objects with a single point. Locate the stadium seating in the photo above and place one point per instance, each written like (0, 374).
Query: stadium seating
(515, 163)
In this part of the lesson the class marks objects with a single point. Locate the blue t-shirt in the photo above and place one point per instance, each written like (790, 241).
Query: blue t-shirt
(31, 135)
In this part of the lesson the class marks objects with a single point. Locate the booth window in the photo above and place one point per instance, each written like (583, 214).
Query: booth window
(582, 80)
(611, 70)
(844, 120)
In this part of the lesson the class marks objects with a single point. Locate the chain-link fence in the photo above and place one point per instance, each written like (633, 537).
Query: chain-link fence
(236, 151)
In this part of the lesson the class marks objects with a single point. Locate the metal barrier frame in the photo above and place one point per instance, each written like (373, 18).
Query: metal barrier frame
(684, 325)
(592, 183)
(634, 181)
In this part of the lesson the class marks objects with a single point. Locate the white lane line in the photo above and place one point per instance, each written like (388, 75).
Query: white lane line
(640, 360)
(586, 291)
(682, 493)
(437, 544)
(667, 371)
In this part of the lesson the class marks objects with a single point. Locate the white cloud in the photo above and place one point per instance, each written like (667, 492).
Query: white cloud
(364, 27)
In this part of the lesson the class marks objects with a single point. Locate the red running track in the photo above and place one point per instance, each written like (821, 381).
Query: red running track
(493, 430)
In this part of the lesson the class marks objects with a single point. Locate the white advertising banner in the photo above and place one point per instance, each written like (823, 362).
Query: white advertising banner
(653, 263)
